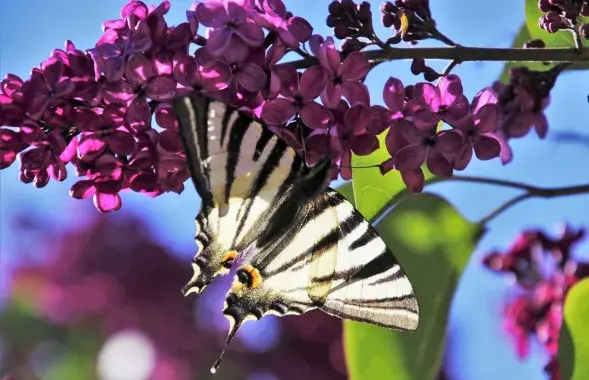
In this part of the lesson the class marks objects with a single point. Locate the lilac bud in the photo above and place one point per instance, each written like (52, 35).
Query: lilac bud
(341, 30)
(331, 20)
(418, 66)
(388, 19)
(335, 8)
(535, 44)
(388, 7)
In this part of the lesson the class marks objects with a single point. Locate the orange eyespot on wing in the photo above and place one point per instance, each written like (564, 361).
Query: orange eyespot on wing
(228, 259)
(255, 279)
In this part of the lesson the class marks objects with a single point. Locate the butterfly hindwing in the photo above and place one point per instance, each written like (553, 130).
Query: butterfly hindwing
(240, 170)
(330, 259)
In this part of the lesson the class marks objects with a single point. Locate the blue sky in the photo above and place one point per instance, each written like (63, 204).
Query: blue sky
(30, 29)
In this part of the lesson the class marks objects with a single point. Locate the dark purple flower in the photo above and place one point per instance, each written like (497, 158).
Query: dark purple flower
(212, 76)
(299, 95)
(169, 138)
(442, 102)
(343, 77)
(102, 131)
(352, 136)
(47, 87)
(394, 98)
(272, 15)
(476, 130)
(425, 145)
(140, 83)
(230, 25)
(43, 160)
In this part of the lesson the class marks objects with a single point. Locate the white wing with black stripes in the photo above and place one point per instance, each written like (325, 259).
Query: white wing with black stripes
(241, 171)
(328, 257)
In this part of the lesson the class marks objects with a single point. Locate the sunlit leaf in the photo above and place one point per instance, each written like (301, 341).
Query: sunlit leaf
(573, 345)
(433, 243)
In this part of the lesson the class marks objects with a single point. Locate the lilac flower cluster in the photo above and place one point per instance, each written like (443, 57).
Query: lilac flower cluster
(94, 108)
(544, 270)
(564, 15)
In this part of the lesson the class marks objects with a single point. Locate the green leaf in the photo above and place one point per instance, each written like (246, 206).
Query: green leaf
(573, 344)
(347, 190)
(562, 38)
(372, 190)
(433, 243)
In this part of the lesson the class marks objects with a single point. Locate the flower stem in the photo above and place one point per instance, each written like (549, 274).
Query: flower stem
(465, 54)
(529, 192)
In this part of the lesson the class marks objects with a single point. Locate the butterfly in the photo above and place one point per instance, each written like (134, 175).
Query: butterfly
(298, 245)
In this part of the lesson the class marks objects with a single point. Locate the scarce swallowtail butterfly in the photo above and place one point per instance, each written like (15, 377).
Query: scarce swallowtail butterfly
(300, 244)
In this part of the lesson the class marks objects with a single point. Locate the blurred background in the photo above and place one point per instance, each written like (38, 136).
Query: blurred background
(92, 296)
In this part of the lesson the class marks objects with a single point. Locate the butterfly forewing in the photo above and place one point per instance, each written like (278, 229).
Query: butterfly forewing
(240, 170)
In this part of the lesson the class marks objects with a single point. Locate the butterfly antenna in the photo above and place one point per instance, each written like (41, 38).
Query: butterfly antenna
(235, 325)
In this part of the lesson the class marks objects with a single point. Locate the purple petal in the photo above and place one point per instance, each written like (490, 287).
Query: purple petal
(140, 40)
(346, 164)
(487, 118)
(354, 67)
(486, 147)
(449, 141)
(7, 157)
(450, 89)
(250, 33)
(211, 13)
(315, 42)
(107, 202)
(289, 80)
(139, 114)
(541, 125)
(410, 157)
(462, 160)
(331, 94)
(215, 75)
(438, 164)
(278, 111)
(387, 166)
(138, 8)
(394, 95)
(161, 88)
(52, 70)
(218, 41)
(312, 82)
(251, 77)
(314, 115)
(170, 141)
(329, 58)
(486, 96)
(424, 118)
(165, 117)
(427, 95)
(356, 119)
(138, 70)
(459, 110)
(395, 140)
(90, 147)
(56, 170)
(365, 144)
(300, 28)
(356, 93)
(317, 145)
(381, 119)
(118, 92)
(121, 142)
(82, 189)
(414, 179)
